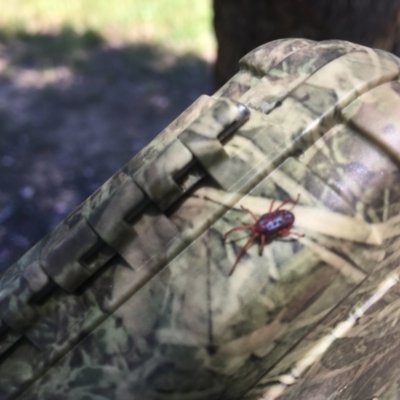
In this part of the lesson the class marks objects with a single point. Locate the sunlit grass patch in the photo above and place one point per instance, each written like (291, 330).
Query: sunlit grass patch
(183, 25)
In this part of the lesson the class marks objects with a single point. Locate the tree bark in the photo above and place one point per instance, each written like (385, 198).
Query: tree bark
(242, 25)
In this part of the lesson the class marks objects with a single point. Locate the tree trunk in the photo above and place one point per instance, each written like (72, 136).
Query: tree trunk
(242, 25)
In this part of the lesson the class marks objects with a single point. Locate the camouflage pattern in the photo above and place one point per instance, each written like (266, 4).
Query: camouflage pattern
(129, 297)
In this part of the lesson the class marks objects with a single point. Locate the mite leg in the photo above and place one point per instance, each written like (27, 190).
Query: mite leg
(242, 251)
(288, 232)
(251, 213)
(271, 206)
(289, 201)
(262, 244)
(238, 228)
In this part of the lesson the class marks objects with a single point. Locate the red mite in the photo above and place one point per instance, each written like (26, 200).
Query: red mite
(269, 225)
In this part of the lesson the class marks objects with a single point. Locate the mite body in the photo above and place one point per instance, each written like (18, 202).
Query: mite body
(274, 223)
(270, 225)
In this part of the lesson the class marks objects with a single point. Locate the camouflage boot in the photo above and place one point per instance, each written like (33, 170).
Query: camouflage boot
(249, 252)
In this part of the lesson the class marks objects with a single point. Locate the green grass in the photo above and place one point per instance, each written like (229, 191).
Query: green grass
(184, 25)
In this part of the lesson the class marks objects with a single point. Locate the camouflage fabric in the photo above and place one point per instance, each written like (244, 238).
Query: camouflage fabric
(130, 298)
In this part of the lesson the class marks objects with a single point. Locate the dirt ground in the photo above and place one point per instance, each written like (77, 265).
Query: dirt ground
(73, 110)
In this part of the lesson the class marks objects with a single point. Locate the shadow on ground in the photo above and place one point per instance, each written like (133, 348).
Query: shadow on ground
(73, 110)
